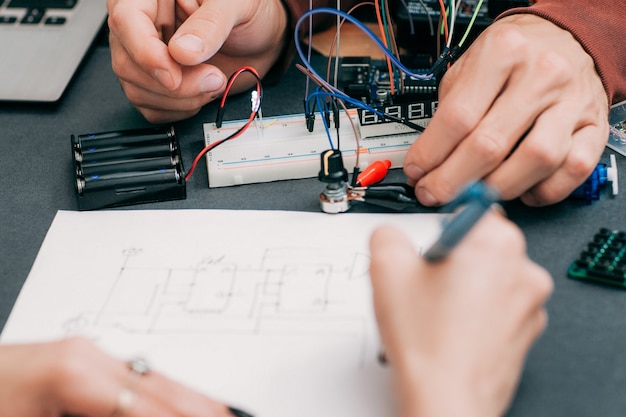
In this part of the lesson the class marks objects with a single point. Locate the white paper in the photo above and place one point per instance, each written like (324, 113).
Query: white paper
(269, 311)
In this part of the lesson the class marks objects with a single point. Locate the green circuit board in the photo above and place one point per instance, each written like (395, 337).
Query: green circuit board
(603, 259)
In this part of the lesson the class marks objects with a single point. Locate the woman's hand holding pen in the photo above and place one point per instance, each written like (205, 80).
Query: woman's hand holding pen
(174, 56)
(74, 378)
(456, 332)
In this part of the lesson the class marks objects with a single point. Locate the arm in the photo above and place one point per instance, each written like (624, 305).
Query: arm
(72, 377)
(524, 108)
(456, 333)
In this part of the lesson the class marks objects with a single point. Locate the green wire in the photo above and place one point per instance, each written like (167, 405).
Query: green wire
(441, 28)
(471, 23)
(385, 26)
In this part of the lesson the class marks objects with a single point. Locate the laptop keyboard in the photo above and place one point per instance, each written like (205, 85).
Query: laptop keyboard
(36, 12)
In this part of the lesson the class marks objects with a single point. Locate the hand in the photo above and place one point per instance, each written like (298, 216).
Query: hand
(456, 332)
(526, 78)
(174, 56)
(73, 377)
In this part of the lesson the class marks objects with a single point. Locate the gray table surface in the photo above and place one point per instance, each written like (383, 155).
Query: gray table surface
(577, 367)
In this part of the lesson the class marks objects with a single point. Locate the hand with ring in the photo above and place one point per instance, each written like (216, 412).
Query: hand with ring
(74, 377)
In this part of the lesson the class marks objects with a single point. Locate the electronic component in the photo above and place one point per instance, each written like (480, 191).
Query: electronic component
(590, 189)
(367, 80)
(603, 259)
(334, 198)
(338, 196)
(127, 167)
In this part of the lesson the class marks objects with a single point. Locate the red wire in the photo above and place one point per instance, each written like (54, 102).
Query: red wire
(238, 133)
(232, 78)
(214, 144)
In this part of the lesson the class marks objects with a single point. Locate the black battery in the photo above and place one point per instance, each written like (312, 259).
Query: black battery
(126, 167)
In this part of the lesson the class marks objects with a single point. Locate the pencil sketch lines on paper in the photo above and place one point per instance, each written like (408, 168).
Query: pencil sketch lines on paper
(284, 291)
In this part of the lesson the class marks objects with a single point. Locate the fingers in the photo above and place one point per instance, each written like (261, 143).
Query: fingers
(588, 145)
(392, 266)
(137, 47)
(90, 383)
(153, 81)
(532, 291)
(206, 30)
(465, 104)
(179, 400)
(165, 19)
(231, 33)
(198, 86)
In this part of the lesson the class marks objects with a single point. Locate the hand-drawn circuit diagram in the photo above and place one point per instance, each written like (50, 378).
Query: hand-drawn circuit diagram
(288, 290)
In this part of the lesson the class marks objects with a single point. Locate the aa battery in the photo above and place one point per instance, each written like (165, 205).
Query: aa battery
(108, 166)
(127, 181)
(124, 138)
(132, 144)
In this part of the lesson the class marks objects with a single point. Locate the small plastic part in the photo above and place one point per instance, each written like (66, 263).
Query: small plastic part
(332, 169)
(374, 173)
(590, 189)
(611, 175)
(310, 121)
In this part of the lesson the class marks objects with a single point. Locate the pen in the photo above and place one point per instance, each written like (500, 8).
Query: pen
(477, 199)
(238, 413)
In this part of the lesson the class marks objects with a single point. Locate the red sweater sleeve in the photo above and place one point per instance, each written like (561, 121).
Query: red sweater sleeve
(600, 27)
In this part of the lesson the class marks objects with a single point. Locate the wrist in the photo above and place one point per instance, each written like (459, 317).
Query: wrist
(428, 388)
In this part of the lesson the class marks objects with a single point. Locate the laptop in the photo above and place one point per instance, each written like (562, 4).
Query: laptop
(42, 43)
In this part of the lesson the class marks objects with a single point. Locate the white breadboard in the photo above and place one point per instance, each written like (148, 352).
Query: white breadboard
(281, 148)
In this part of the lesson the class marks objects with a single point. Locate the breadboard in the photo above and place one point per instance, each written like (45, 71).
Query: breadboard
(281, 148)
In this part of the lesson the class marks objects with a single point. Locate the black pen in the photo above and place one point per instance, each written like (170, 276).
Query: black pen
(477, 198)
(238, 413)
